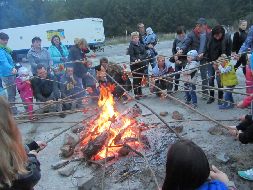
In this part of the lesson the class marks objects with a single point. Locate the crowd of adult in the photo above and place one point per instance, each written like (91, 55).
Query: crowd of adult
(59, 73)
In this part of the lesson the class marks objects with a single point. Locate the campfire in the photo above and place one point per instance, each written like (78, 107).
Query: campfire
(111, 133)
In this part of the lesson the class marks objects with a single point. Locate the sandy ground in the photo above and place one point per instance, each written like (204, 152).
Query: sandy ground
(240, 156)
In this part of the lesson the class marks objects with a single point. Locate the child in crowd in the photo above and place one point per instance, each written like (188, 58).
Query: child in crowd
(70, 85)
(101, 70)
(187, 167)
(190, 76)
(249, 85)
(90, 79)
(228, 79)
(159, 78)
(25, 89)
(150, 38)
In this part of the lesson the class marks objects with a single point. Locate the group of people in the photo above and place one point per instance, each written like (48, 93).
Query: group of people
(56, 74)
(209, 50)
(59, 73)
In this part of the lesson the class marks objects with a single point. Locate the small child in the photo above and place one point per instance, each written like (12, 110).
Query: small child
(150, 39)
(189, 75)
(90, 78)
(101, 70)
(25, 89)
(228, 79)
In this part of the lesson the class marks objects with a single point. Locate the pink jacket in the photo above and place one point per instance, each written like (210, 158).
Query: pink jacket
(249, 80)
(25, 89)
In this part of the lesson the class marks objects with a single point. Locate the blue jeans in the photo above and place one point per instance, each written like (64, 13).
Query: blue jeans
(11, 91)
(203, 73)
(190, 94)
(229, 95)
(211, 76)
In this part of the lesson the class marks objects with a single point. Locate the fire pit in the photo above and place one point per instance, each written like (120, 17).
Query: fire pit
(111, 134)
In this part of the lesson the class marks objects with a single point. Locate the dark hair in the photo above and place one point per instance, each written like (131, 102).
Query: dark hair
(55, 36)
(36, 38)
(40, 66)
(4, 36)
(180, 30)
(187, 167)
(218, 30)
(103, 59)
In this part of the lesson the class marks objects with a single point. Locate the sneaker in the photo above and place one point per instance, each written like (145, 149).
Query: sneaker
(210, 100)
(247, 174)
(187, 102)
(220, 102)
(194, 106)
(204, 96)
(225, 106)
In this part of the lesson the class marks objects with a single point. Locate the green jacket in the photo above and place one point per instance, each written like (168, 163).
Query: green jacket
(230, 78)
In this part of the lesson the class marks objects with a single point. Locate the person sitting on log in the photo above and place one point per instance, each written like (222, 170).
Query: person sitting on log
(19, 166)
(187, 167)
(101, 70)
(90, 79)
(46, 89)
(159, 78)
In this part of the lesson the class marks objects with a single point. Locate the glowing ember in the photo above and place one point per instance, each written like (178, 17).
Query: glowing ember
(117, 128)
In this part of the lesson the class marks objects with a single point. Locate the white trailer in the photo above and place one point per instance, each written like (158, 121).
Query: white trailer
(91, 29)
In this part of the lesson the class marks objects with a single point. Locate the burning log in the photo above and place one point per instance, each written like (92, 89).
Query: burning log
(94, 146)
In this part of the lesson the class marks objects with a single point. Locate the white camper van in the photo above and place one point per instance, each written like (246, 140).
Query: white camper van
(91, 29)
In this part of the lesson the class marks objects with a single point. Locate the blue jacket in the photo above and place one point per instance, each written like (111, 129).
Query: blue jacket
(6, 63)
(248, 43)
(90, 80)
(167, 69)
(213, 185)
(56, 55)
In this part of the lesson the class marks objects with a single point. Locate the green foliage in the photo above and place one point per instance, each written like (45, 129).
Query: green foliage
(122, 15)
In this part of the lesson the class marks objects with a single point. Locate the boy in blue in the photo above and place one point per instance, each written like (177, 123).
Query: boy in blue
(150, 38)
(190, 76)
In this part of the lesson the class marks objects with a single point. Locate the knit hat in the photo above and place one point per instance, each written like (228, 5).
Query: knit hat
(192, 53)
(201, 21)
(149, 30)
(23, 71)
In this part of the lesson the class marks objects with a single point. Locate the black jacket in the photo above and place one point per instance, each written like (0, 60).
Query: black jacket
(215, 48)
(76, 54)
(246, 127)
(137, 51)
(29, 180)
(43, 89)
(238, 39)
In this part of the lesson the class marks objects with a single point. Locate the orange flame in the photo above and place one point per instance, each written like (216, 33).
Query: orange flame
(111, 121)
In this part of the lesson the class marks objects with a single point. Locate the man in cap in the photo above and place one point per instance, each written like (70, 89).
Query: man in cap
(196, 40)
(7, 70)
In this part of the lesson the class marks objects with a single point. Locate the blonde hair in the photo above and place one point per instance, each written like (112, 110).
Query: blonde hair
(134, 34)
(160, 57)
(80, 41)
(13, 156)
